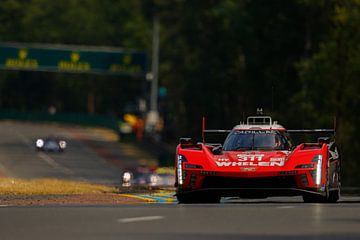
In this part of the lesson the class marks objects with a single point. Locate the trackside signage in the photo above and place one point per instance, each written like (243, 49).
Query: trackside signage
(72, 59)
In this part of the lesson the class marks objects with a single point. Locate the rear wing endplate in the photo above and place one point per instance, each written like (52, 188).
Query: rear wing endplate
(214, 131)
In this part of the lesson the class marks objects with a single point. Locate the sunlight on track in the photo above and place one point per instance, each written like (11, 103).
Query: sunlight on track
(140, 219)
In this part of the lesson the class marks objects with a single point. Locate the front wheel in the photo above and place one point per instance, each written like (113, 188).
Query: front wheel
(333, 196)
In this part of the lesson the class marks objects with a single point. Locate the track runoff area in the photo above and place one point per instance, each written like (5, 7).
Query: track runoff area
(168, 197)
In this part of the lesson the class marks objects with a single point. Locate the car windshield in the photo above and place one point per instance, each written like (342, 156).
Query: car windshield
(255, 140)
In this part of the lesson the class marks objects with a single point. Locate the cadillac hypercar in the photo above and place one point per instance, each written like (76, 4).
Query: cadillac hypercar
(258, 160)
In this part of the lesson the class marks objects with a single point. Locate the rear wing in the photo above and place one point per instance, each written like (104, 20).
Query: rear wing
(205, 131)
(312, 131)
(224, 132)
(316, 131)
(323, 135)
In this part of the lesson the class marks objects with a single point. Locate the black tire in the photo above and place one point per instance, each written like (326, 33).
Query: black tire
(330, 197)
(333, 196)
(192, 198)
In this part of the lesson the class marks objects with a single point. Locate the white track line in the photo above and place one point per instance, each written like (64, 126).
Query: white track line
(3, 171)
(44, 156)
(41, 155)
(286, 207)
(24, 139)
(54, 164)
(140, 219)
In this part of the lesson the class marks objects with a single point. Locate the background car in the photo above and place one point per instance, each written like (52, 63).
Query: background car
(50, 144)
(148, 177)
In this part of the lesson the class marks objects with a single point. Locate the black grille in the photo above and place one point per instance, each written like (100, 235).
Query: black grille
(261, 182)
(192, 180)
(304, 180)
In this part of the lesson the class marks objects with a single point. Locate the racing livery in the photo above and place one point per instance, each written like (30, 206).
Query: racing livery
(257, 160)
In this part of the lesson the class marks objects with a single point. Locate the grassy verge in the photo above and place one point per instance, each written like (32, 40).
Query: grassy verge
(12, 186)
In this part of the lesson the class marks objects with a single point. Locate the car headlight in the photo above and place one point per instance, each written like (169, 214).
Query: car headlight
(180, 160)
(62, 144)
(318, 161)
(39, 143)
(126, 177)
(154, 179)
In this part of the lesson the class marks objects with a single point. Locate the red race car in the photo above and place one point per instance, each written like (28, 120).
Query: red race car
(257, 160)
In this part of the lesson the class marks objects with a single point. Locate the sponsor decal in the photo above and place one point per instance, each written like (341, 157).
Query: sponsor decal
(251, 160)
(250, 157)
(255, 132)
(23, 61)
(74, 64)
(224, 164)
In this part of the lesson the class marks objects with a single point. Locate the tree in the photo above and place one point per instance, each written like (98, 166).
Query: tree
(331, 85)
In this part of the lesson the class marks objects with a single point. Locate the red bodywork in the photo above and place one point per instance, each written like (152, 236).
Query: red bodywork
(256, 173)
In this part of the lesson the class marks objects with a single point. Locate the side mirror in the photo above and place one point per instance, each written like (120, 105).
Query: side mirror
(217, 150)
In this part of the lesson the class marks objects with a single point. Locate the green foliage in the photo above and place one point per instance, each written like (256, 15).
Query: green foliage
(330, 80)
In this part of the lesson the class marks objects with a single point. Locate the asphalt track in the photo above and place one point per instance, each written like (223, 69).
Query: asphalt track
(284, 218)
(85, 159)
